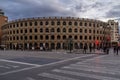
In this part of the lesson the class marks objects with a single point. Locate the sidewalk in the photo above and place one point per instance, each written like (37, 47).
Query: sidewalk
(79, 51)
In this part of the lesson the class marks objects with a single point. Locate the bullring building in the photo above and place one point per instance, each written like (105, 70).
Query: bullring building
(55, 33)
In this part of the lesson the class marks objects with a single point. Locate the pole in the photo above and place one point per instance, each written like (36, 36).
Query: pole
(24, 42)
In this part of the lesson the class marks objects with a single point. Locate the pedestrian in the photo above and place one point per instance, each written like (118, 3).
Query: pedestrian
(84, 49)
(107, 50)
(90, 47)
(117, 50)
(104, 48)
(114, 49)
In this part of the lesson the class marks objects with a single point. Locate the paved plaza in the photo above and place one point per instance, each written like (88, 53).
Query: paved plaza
(58, 65)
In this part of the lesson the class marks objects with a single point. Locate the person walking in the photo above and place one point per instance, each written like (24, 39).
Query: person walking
(114, 49)
(107, 50)
(90, 47)
(117, 50)
(84, 49)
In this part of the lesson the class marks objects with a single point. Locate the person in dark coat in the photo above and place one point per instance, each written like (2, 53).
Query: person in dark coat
(107, 50)
(114, 49)
(84, 49)
(117, 50)
(90, 47)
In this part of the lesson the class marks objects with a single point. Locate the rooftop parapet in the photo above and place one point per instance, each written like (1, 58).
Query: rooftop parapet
(56, 18)
(1, 12)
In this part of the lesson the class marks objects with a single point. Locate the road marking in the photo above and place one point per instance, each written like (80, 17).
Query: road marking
(15, 71)
(5, 67)
(92, 70)
(97, 66)
(29, 78)
(66, 60)
(84, 74)
(19, 62)
(54, 76)
(13, 66)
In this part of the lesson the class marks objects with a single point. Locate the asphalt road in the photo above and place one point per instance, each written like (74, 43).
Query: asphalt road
(58, 66)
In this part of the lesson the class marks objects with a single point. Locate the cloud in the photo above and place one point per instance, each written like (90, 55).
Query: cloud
(95, 9)
(114, 12)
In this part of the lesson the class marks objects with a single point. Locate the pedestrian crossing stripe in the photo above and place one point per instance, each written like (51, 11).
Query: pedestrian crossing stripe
(54, 76)
(84, 74)
(92, 70)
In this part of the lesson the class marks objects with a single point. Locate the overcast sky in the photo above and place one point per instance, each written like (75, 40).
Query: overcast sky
(95, 9)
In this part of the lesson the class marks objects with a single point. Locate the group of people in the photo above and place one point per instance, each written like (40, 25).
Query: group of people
(116, 50)
(105, 49)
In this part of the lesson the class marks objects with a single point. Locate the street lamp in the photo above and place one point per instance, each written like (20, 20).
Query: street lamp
(24, 41)
(70, 42)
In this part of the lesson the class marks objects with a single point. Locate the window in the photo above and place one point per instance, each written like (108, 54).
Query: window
(80, 30)
(35, 23)
(35, 30)
(52, 23)
(70, 30)
(46, 23)
(93, 25)
(30, 30)
(64, 23)
(80, 23)
(13, 26)
(93, 31)
(85, 24)
(21, 24)
(30, 37)
(70, 37)
(58, 29)
(90, 24)
(64, 30)
(85, 38)
(41, 37)
(81, 37)
(58, 23)
(41, 30)
(25, 37)
(52, 30)
(17, 31)
(30, 23)
(75, 23)
(21, 37)
(52, 37)
(75, 37)
(47, 30)
(64, 37)
(36, 37)
(70, 23)
(90, 31)
(17, 38)
(97, 25)
(97, 38)
(90, 38)
(25, 30)
(17, 25)
(85, 30)
(25, 23)
(58, 37)
(75, 30)
(41, 23)
(46, 37)
(21, 31)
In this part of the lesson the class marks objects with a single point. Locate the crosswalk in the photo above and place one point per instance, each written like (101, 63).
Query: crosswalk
(84, 71)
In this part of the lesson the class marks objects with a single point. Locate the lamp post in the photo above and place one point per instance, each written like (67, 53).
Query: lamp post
(70, 41)
(24, 41)
(5, 38)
